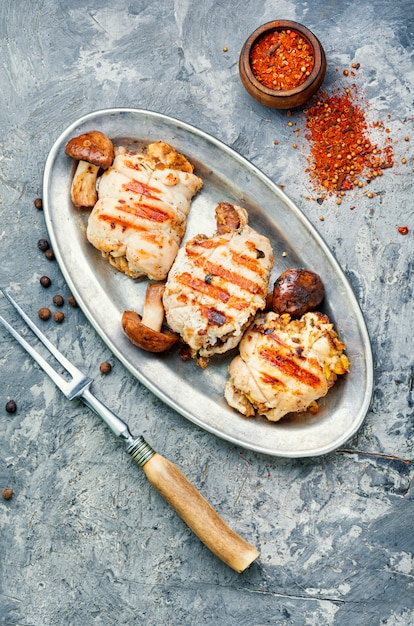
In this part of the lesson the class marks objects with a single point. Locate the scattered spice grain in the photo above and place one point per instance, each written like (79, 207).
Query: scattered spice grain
(49, 254)
(44, 313)
(59, 316)
(105, 367)
(45, 281)
(43, 245)
(39, 204)
(11, 406)
(7, 493)
(58, 300)
(403, 230)
(72, 302)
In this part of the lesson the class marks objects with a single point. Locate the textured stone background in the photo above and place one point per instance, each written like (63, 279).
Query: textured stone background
(85, 540)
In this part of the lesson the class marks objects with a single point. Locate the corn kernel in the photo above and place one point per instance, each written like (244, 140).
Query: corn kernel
(313, 408)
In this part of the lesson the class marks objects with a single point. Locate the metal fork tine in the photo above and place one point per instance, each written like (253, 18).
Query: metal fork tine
(79, 380)
(57, 379)
(58, 355)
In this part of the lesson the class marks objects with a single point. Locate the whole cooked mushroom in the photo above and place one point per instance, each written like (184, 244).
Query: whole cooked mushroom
(94, 151)
(297, 291)
(147, 332)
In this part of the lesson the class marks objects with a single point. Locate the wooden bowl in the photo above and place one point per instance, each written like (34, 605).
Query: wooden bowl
(282, 98)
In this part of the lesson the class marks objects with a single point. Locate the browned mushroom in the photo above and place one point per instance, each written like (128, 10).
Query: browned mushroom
(94, 151)
(296, 292)
(148, 332)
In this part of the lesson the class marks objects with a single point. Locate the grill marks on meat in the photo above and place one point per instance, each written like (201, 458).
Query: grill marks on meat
(201, 287)
(217, 284)
(284, 366)
(140, 218)
(290, 367)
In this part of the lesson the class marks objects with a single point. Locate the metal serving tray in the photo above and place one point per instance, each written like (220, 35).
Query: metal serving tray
(103, 293)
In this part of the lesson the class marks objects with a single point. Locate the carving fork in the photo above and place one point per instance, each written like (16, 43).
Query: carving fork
(167, 479)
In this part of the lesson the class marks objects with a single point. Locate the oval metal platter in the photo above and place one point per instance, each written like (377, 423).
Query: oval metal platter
(103, 293)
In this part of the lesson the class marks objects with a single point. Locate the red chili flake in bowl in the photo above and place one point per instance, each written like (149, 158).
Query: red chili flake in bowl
(282, 59)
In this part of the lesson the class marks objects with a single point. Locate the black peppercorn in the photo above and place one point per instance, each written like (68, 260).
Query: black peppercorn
(72, 301)
(105, 367)
(11, 406)
(7, 493)
(58, 300)
(59, 316)
(49, 254)
(45, 281)
(38, 203)
(43, 245)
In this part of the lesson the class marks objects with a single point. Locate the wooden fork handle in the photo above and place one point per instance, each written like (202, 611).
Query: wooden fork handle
(198, 514)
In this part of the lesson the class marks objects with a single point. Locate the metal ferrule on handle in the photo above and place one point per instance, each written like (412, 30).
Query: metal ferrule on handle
(140, 451)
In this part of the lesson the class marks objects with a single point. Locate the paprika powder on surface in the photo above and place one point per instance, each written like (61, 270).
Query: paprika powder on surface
(282, 59)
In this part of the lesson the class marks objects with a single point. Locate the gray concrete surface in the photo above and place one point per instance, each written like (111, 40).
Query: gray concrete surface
(85, 540)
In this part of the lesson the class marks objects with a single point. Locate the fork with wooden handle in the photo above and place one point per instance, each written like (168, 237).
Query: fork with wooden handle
(167, 479)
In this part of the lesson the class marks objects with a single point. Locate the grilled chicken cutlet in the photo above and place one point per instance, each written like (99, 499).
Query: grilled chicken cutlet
(216, 285)
(139, 219)
(284, 366)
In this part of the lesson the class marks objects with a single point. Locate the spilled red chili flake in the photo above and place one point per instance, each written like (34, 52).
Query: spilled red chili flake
(403, 230)
(342, 155)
